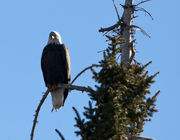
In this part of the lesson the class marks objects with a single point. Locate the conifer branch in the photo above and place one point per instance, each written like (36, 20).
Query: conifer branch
(80, 124)
(110, 37)
(155, 95)
(77, 114)
(152, 77)
(146, 65)
(60, 135)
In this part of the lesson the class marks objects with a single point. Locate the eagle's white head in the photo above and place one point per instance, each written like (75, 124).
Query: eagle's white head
(54, 38)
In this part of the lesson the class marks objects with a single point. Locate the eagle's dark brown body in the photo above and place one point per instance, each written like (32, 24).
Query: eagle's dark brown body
(55, 64)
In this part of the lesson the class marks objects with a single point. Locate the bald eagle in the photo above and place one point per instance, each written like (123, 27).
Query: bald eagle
(55, 65)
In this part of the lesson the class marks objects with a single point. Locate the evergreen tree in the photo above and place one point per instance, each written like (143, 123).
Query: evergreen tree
(122, 97)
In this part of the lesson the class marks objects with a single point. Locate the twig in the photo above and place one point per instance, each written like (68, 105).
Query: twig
(155, 95)
(134, 26)
(110, 37)
(60, 135)
(137, 8)
(146, 65)
(143, 10)
(101, 51)
(93, 65)
(37, 113)
(153, 76)
(116, 11)
(142, 2)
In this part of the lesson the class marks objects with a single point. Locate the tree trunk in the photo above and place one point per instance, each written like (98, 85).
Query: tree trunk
(127, 20)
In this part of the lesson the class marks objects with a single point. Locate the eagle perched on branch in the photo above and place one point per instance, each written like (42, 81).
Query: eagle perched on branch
(55, 65)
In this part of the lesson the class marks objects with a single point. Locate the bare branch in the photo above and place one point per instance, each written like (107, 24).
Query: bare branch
(37, 113)
(60, 135)
(134, 26)
(145, 11)
(137, 8)
(101, 51)
(116, 11)
(74, 87)
(90, 67)
(142, 2)
(111, 27)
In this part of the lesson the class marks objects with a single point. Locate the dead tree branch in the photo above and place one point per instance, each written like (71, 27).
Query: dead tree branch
(125, 27)
(74, 87)
(90, 67)
(111, 27)
(119, 24)
(116, 10)
(142, 31)
(137, 8)
(60, 135)
(37, 113)
(142, 2)
(143, 10)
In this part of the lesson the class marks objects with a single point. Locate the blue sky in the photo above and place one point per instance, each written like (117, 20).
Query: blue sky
(24, 30)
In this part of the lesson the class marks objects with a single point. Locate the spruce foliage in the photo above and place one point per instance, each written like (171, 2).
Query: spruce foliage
(122, 100)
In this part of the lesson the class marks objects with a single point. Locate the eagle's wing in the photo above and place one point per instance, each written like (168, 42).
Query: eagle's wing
(44, 63)
(68, 69)
(68, 63)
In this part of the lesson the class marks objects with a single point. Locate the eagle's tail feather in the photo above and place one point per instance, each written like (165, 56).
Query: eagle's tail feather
(57, 98)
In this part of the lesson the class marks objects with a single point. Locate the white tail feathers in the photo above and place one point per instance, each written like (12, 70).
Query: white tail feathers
(57, 98)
